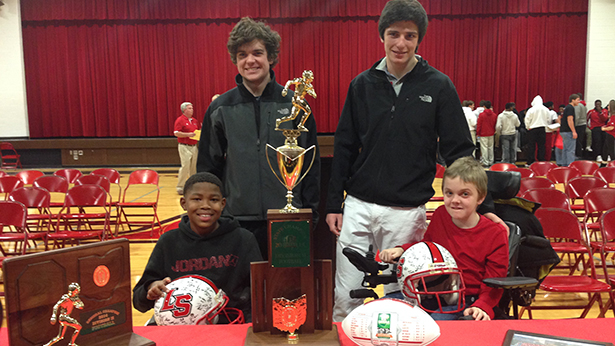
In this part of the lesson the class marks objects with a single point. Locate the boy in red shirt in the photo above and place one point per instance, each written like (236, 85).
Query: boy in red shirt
(479, 245)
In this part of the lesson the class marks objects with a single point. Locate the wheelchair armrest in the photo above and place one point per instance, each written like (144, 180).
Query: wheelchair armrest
(366, 264)
(363, 293)
(512, 282)
(536, 241)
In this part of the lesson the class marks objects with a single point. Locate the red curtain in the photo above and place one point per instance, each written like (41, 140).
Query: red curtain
(118, 68)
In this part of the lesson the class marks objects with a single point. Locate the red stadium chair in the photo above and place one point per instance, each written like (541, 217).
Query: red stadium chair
(607, 174)
(502, 166)
(577, 188)
(114, 178)
(562, 224)
(8, 184)
(28, 177)
(13, 227)
(136, 210)
(3, 174)
(9, 157)
(540, 168)
(70, 174)
(562, 175)
(597, 202)
(611, 164)
(534, 183)
(36, 199)
(548, 198)
(56, 185)
(84, 216)
(585, 167)
(525, 172)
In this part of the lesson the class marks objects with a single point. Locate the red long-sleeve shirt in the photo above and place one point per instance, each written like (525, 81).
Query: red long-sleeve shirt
(480, 252)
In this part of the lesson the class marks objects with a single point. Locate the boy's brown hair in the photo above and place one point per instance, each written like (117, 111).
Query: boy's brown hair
(470, 172)
(248, 30)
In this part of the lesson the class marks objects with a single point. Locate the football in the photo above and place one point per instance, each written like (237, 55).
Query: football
(389, 322)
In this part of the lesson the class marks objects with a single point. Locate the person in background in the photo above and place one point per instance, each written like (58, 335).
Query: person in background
(580, 123)
(184, 129)
(568, 131)
(550, 133)
(485, 129)
(596, 118)
(468, 108)
(609, 128)
(506, 126)
(536, 120)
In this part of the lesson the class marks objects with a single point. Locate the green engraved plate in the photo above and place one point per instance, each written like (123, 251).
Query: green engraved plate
(290, 244)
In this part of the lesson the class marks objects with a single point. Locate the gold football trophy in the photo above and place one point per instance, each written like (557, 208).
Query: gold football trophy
(290, 156)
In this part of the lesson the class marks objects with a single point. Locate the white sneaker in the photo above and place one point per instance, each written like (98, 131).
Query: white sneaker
(609, 158)
(589, 149)
(599, 158)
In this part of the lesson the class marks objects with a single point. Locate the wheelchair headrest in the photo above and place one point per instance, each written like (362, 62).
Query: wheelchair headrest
(503, 185)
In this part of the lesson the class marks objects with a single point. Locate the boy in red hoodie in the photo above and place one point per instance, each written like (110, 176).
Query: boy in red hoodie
(485, 129)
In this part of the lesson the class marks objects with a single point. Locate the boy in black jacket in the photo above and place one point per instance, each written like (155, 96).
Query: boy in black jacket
(204, 244)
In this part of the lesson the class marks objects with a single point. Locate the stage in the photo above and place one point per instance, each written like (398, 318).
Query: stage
(485, 333)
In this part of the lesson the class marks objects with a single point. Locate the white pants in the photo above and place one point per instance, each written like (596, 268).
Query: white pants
(486, 151)
(367, 224)
(187, 155)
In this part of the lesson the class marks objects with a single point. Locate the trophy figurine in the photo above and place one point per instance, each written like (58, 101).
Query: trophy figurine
(290, 156)
(61, 313)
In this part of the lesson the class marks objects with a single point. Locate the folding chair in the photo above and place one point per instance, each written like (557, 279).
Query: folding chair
(585, 167)
(606, 173)
(563, 224)
(597, 202)
(611, 164)
(70, 174)
(577, 188)
(84, 216)
(534, 183)
(57, 187)
(525, 172)
(9, 157)
(114, 178)
(440, 171)
(8, 184)
(28, 177)
(13, 227)
(144, 181)
(562, 175)
(548, 198)
(540, 168)
(607, 246)
(3, 174)
(37, 200)
(502, 166)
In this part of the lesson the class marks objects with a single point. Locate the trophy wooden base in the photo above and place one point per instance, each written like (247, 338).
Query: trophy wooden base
(319, 337)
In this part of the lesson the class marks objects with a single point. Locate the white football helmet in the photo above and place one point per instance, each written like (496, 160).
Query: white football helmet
(428, 276)
(191, 300)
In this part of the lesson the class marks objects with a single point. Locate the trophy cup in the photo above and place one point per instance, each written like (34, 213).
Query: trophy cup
(290, 157)
(291, 291)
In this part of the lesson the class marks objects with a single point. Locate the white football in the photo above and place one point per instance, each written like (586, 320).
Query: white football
(389, 322)
(190, 300)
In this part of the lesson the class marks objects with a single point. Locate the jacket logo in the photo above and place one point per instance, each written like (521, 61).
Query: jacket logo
(284, 111)
(425, 98)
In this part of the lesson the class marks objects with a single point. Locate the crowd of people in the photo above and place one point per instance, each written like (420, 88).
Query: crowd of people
(572, 133)
(399, 116)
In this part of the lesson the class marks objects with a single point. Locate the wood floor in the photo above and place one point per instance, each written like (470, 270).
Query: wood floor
(169, 207)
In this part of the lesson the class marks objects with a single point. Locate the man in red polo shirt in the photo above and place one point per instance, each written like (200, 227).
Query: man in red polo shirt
(184, 128)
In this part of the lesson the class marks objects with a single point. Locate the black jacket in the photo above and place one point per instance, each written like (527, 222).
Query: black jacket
(223, 256)
(236, 129)
(385, 144)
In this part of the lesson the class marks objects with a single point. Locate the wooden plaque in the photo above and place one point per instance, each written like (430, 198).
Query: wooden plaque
(277, 278)
(34, 283)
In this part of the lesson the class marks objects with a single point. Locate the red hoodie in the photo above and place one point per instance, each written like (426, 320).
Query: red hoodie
(485, 125)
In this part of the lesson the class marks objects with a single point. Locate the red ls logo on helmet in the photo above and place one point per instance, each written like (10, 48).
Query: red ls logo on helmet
(180, 307)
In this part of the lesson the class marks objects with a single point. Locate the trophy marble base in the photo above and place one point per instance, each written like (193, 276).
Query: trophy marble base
(319, 337)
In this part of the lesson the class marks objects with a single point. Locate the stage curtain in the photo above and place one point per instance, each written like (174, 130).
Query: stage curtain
(117, 68)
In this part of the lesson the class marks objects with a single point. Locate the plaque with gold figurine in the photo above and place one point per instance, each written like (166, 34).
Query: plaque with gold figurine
(292, 294)
(74, 296)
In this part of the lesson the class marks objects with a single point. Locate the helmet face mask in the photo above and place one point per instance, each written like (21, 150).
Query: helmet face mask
(192, 300)
(429, 278)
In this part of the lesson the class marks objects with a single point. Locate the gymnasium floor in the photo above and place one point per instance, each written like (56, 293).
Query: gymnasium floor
(169, 209)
